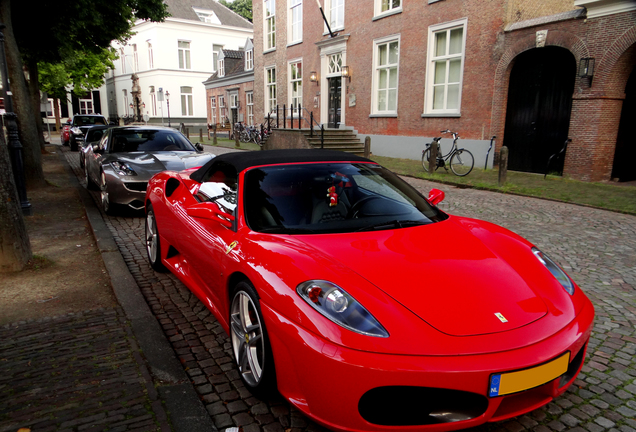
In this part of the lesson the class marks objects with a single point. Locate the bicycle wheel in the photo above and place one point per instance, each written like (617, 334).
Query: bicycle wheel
(462, 162)
(425, 157)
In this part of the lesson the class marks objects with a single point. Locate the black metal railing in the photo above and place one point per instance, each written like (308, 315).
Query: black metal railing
(298, 110)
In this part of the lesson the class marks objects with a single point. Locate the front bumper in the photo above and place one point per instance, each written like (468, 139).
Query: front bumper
(351, 390)
(129, 192)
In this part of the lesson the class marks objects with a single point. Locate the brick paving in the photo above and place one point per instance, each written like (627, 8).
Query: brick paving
(77, 372)
(597, 248)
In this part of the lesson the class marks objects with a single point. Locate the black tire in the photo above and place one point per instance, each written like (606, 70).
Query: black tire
(462, 162)
(425, 156)
(250, 341)
(90, 184)
(153, 242)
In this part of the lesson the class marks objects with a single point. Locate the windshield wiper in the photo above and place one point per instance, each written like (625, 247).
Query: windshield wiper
(396, 223)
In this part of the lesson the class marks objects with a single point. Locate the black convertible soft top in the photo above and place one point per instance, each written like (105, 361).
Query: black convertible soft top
(242, 160)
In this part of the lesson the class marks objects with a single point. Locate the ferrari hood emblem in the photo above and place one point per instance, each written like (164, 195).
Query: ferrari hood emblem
(230, 247)
(501, 317)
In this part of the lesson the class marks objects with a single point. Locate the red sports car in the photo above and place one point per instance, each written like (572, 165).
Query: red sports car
(366, 306)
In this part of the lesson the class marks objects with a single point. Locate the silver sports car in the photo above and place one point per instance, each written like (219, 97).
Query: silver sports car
(123, 161)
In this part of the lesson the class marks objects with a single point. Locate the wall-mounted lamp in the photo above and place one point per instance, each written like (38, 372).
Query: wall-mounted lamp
(313, 77)
(131, 105)
(346, 72)
(586, 67)
(143, 105)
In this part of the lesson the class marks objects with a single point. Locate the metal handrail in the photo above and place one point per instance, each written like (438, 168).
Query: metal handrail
(298, 110)
(559, 153)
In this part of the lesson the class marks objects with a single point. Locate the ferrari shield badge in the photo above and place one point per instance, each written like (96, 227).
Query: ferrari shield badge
(230, 247)
(501, 317)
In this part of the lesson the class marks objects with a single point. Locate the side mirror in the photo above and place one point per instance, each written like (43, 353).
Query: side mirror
(199, 147)
(97, 149)
(436, 196)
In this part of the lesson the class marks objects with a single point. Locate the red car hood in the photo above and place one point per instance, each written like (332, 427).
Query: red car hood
(445, 274)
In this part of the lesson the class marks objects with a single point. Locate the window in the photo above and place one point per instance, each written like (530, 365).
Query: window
(213, 109)
(151, 61)
(186, 101)
(234, 100)
(335, 64)
(385, 77)
(249, 103)
(296, 83)
(269, 13)
(222, 109)
(270, 90)
(445, 68)
(249, 59)
(184, 55)
(86, 106)
(135, 58)
(383, 7)
(221, 67)
(206, 15)
(295, 17)
(153, 101)
(122, 56)
(336, 14)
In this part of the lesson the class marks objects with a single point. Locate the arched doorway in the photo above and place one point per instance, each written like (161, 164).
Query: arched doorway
(625, 155)
(539, 107)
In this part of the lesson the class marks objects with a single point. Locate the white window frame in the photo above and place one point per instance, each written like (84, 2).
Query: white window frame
(184, 55)
(222, 109)
(222, 67)
(135, 58)
(125, 99)
(295, 80)
(187, 107)
(213, 109)
(86, 106)
(432, 59)
(375, 111)
(295, 20)
(151, 60)
(269, 22)
(249, 59)
(234, 100)
(249, 104)
(392, 7)
(337, 8)
(122, 55)
(270, 87)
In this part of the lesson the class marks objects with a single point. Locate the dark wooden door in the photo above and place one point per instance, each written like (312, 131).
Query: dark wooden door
(335, 90)
(539, 108)
(625, 154)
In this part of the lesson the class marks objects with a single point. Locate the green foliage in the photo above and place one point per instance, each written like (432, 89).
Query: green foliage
(241, 7)
(83, 71)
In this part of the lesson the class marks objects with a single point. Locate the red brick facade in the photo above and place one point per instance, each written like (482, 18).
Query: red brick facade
(490, 52)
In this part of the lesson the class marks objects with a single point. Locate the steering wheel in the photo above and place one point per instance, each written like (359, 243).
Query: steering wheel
(355, 209)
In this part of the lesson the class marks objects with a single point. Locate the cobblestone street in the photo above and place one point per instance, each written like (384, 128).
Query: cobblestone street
(597, 248)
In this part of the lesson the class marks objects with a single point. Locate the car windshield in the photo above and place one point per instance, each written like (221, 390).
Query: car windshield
(148, 140)
(89, 120)
(332, 197)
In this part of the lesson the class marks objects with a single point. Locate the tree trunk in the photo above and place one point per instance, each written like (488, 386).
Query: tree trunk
(22, 105)
(15, 248)
(56, 113)
(34, 89)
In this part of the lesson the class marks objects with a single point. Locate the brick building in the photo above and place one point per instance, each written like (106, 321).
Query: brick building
(402, 70)
(230, 90)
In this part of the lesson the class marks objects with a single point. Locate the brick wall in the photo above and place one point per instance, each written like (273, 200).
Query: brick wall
(521, 10)
(222, 91)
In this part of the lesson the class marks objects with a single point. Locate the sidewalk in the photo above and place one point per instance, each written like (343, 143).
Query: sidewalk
(99, 368)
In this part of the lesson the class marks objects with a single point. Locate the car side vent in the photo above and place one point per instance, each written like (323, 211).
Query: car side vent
(410, 406)
(171, 185)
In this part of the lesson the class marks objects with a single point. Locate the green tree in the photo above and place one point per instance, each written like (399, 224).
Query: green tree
(241, 7)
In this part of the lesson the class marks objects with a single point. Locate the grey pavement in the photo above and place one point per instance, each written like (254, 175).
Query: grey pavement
(596, 247)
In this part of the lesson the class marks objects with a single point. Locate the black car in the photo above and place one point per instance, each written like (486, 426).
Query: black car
(81, 124)
(93, 136)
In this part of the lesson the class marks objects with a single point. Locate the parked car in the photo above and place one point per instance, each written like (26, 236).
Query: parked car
(121, 164)
(80, 125)
(65, 135)
(93, 136)
(363, 303)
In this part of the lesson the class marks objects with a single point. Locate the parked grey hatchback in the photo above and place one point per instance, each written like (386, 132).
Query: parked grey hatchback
(122, 162)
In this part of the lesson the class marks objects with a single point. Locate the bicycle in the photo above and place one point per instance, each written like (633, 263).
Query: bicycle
(461, 160)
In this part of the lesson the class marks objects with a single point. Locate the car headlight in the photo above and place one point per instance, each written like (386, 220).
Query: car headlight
(556, 271)
(123, 169)
(335, 304)
(76, 130)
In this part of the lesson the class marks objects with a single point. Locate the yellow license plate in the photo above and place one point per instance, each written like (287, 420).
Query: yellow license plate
(513, 382)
